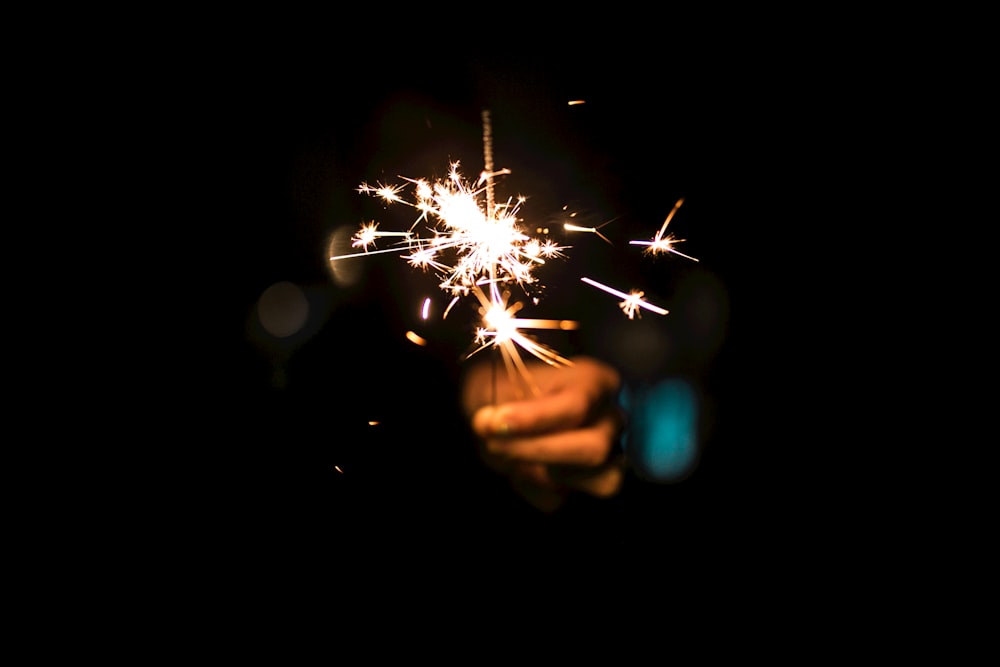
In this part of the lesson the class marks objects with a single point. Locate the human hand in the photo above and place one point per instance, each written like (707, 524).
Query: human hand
(560, 440)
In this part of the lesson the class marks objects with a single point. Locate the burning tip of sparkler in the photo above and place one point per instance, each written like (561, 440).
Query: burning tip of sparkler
(574, 103)
(337, 468)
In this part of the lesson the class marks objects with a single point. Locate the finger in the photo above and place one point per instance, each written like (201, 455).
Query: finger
(587, 376)
(583, 447)
(567, 394)
(547, 487)
(566, 410)
(602, 482)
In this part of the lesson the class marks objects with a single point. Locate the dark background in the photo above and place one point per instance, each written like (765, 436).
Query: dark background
(233, 149)
(285, 142)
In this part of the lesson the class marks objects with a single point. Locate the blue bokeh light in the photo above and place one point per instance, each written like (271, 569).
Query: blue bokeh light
(662, 437)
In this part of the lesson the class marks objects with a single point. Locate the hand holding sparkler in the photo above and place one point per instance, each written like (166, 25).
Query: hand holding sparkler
(549, 423)
(562, 440)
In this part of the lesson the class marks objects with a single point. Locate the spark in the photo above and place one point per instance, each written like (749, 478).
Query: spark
(476, 244)
(661, 243)
(486, 240)
(502, 330)
(368, 233)
(570, 227)
(389, 193)
(364, 254)
(632, 301)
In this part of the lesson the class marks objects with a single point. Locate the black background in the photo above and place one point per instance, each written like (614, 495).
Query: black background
(282, 144)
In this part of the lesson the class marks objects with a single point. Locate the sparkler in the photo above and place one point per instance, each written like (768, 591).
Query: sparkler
(477, 246)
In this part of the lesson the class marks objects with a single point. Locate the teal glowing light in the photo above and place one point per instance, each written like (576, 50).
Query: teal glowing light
(662, 441)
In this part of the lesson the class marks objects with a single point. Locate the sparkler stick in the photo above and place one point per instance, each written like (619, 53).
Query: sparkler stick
(488, 161)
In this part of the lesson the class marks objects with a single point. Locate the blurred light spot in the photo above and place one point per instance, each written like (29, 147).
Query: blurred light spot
(643, 348)
(573, 103)
(426, 309)
(373, 423)
(414, 338)
(663, 429)
(346, 272)
(283, 309)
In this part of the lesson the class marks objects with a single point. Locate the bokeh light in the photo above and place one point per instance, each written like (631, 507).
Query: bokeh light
(345, 272)
(662, 441)
(283, 309)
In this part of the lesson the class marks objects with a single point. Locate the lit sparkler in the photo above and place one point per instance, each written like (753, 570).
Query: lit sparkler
(478, 246)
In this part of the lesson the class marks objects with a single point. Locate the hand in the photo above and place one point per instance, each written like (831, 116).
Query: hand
(561, 438)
